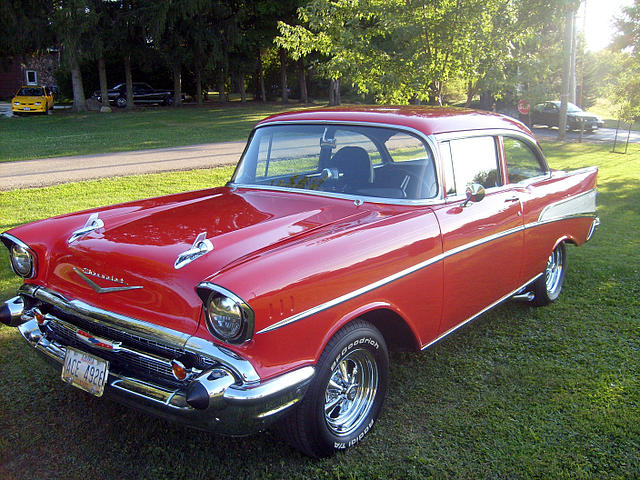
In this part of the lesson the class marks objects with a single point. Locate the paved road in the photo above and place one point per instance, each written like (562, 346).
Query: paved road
(51, 171)
(600, 135)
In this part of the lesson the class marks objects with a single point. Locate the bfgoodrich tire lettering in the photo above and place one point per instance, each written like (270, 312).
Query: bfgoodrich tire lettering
(346, 395)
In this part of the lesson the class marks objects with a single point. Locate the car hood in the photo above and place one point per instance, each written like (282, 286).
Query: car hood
(127, 265)
(585, 115)
(29, 99)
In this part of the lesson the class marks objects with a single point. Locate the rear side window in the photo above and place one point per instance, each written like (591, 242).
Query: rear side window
(522, 162)
(474, 160)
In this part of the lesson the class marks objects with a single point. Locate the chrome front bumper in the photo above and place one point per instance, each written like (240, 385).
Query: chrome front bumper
(218, 399)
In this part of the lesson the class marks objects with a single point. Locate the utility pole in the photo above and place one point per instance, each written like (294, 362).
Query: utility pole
(566, 73)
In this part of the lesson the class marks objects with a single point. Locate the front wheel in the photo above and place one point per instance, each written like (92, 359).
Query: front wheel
(548, 286)
(346, 395)
(121, 102)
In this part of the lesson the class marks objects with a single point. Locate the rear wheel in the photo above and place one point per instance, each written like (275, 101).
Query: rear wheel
(346, 395)
(548, 286)
(121, 102)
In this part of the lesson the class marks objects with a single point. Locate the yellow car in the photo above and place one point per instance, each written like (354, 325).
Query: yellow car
(32, 99)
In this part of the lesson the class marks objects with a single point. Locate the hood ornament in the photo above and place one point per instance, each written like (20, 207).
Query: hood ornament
(93, 223)
(86, 272)
(201, 246)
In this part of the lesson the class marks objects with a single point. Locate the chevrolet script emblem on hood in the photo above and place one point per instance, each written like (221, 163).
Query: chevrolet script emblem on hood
(85, 273)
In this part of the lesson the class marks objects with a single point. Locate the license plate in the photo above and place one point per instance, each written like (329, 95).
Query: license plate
(85, 371)
(27, 109)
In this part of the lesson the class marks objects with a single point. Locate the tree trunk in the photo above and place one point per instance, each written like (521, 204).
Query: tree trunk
(334, 92)
(177, 86)
(566, 72)
(129, 81)
(79, 102)
(302, 82)
(243, 90)
(222, 96)
(199, 87)
(104, 89)
(472, 89)
(283, 76)
(262, 92)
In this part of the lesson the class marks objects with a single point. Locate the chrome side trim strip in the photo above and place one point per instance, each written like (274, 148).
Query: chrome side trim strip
(407, 271)
(387, 280)
(500, 300)
(155, 333)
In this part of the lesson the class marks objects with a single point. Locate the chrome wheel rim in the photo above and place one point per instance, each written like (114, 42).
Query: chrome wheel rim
(554, 270)
(351, 392)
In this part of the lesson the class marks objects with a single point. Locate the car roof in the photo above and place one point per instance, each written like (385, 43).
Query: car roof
(428, 120)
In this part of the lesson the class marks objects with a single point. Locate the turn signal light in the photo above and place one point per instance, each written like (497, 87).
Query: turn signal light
(39, 316)
(178, 370)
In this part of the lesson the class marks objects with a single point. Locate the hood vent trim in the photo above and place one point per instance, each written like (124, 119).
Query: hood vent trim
(201, 246)
(93, 223)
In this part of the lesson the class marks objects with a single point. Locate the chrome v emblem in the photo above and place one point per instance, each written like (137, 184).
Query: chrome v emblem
(100, 289)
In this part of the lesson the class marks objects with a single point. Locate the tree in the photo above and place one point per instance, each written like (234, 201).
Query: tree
(626, 89)
(73, 22)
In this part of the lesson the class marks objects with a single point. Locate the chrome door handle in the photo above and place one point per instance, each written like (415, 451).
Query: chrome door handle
(515, 198)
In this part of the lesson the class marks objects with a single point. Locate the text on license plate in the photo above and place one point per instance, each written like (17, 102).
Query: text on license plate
(85, 371)
(27, 109)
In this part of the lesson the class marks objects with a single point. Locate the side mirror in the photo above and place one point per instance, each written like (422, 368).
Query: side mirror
(475, 193)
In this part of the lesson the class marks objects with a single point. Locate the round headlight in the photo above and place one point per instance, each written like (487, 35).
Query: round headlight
(21, 261)
(224, 316)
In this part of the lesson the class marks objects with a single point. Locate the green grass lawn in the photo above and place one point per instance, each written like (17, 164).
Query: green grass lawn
(66, 133)
(521, 392)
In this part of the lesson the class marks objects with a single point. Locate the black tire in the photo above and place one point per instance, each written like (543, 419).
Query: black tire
(121, 102)
(46, 109)
(168, 100)
(337, 415)
(548, 286)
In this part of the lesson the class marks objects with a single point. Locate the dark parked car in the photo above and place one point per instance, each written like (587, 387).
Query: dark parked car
(142, 93)
(548, 113)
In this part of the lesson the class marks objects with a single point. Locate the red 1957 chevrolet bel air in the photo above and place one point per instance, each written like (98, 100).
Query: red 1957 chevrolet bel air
(343, 232)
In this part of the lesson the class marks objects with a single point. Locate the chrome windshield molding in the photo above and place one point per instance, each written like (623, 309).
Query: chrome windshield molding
(500, 300)
(384, 281)
(345, 196)
(577, 205)
(155, 333)
(100, 289)
(428, 139)
(201, 246)
(92, 223)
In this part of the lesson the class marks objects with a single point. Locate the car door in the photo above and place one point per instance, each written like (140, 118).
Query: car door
(483, 240)
(550, 114)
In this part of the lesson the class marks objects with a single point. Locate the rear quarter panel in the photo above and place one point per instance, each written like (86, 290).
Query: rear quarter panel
(558, 208)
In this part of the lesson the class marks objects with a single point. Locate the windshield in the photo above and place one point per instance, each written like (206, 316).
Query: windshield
(573, 108)
(356, 160)
(31, 92)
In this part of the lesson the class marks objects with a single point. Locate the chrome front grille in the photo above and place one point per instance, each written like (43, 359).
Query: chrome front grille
(135, 359)
(134, 356)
